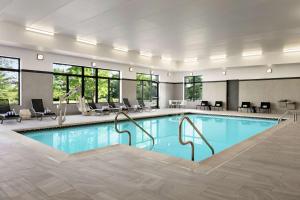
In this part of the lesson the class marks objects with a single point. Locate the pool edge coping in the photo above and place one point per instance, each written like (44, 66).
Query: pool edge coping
(22, 130)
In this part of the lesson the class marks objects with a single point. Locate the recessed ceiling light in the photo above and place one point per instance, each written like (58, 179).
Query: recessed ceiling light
(218, 57)
(224, 72)
(269, 70)
(39, 31)
(166, 58)
(190, 60)
(146, 53)
(131, 69)
(291, 50)
(40, 57)
(93, 64)
(119, 48)
(169, 74)
(86, 41)
(252, 53)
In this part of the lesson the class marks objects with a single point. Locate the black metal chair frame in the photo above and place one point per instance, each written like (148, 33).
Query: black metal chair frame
(143, 106)
(129, 106)
(205, 105)
(101, 110)
(4, 109)
(218, 105)
(265, 106)
(245, 105)
(38, 109)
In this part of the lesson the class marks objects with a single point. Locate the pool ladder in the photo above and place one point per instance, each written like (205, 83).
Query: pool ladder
(287, 113)
(190, 142)
(127, 131)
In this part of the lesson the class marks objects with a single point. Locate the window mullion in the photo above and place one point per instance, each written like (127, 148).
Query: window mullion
(96, 92)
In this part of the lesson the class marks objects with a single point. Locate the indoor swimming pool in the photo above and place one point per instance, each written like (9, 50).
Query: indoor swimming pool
(221, 132)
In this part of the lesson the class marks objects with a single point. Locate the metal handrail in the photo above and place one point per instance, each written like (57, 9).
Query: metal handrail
(127, 131)
(295, 116)
(190, 142)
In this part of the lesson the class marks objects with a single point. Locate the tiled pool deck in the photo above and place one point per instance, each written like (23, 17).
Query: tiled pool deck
(265, 167)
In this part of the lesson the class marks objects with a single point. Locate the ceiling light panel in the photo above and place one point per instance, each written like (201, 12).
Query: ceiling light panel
(119, 48)
(291, 50)
(146, 53)
(218, 57)
(86, 41)
(252, 53)
(166, 58)
(190, 60)
(39, 31)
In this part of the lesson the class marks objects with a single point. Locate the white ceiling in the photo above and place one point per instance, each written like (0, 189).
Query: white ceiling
(179, 28)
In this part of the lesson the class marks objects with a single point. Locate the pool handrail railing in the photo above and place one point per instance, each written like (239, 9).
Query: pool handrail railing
(190, 142)
(127, 131)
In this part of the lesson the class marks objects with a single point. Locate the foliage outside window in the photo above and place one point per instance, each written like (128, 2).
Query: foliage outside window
(10, 79)
(147, 88)
(98, 85)
(193, 88)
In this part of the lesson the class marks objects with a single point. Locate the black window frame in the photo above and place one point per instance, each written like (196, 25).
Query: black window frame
(151, 81)
(109, 84)
(83, 76)
(19, 75)
(194, 83)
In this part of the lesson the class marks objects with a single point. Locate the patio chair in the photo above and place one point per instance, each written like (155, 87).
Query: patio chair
(204, 105)
(265, 106)
(6, 112)
(245, 105)
(40, 111)
(143, 106)
(129, 106)
(116, 107)
(218, 105)
(102, 109)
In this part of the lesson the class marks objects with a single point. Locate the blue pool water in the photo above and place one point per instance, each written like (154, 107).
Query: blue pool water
(221, 133)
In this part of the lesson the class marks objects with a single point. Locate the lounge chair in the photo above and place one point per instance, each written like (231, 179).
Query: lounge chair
(129, 106)
(265, 106)
(6, 112)
(218, 105)
(143, 106)
(245, 105)
(102, 109)
(204, 105)
(116, 107)
(40, 111)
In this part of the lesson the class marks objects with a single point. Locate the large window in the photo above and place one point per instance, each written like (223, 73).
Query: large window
(98, 85)
(10, 79)
(147, 88)
(192, 88)
(108, 86)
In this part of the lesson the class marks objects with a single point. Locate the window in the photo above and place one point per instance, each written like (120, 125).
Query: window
(147, 88)
(109, 85)
(10, 79)
(97, 85)
(193, 88)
